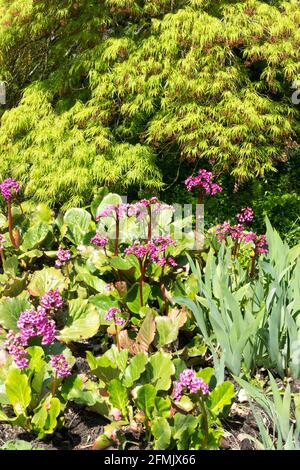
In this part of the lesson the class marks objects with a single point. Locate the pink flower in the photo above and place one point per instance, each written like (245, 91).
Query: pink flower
(249, 236)
(118, 210)
(15, 343)
(113, 314)
(31, 324)
(222, 231)
(99, 240)
(246, 215)
(36, 323)
(189, 382)
(60, 365)
(52, 299)
(204, 180)
(9, 188)
(261, 245)
(62, 257)
(152, 250)
(171, 262)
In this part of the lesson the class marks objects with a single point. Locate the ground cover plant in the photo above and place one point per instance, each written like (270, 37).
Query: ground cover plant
(110, 311)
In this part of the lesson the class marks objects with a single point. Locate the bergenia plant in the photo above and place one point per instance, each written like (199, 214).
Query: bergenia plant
(204, 183)
(117, 211)
(239, 234)
(114, 314)
(9, 189)
(153, 251)
(189, 383)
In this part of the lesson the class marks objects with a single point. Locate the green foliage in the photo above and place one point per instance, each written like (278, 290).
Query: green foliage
(283, 413)
(141, 87)
(81, 322)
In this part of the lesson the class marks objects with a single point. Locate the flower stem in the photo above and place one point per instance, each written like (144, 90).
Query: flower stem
(163, 291)
(54, 385)
(10, 224)
(149, 224)
(116, 252)
(117, 338)
(198, 218)
(252, 266)
(142, 267)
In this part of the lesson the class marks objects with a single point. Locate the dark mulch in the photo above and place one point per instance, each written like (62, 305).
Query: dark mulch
(81, 429)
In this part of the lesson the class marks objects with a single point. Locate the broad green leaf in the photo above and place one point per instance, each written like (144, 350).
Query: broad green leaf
(102, 367)
(133, 300)
(78, 222)
(84, 397)
(162, 433)
(146, 399)
(167, 330)
(45, 280)
(32, 254)
(18, 444)
(14, 286)
(82, 321)
(18, 391)
(10, 265)
(146, 333)
(220, 397)
(135, 369)
(206, 374)
(118, 396)
(185, 404)
(92, 281)
(35, 236)
(163, 407)
(159, 370)
(44, 420)
(118, 357)
(10, 310)
(103, 302)
(184, 423)
(119, 263)
(37, 368)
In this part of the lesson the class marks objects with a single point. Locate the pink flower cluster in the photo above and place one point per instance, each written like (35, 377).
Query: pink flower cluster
(261, 244)
(31, 323)
(15, 344)
(59, 364)
(139, 209)
(237, 233)
(189, 382)
(62, 257)
(113, 314)
(204, 180)
(99, 240)
(9, 188)
(118, 210)
(153, 250)
(246, 215)
(51, 300)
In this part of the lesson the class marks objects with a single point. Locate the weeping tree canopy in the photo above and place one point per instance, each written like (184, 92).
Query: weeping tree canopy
(110, 92)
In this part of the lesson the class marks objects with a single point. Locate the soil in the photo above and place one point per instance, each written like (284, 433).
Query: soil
(81, 429)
